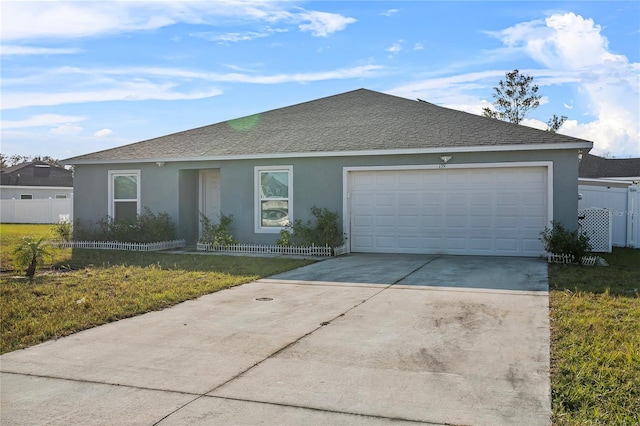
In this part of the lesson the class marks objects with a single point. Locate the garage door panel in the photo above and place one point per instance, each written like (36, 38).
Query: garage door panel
(412, 243)
(385, 242)
(454, 222)
(507, 244)
(456, 211)
(476, 222)
(386, 221)
(385, 199)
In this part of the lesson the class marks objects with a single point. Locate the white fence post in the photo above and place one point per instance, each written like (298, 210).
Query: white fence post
(633, 216)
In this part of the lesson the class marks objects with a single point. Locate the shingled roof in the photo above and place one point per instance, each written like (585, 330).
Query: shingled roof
(356, 121)
(36, 173)
(592, 166)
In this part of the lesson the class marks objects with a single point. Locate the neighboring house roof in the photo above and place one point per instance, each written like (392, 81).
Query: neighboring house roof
(36, 173)
(592, 166)
(357, 121)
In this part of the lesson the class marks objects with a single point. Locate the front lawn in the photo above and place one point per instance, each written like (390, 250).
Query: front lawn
(87, 288)
(594, 312)
(595, 341)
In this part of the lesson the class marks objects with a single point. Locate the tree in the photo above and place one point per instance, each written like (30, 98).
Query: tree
(30, 254)
(555, 122)
(12, 160)
(514, 98)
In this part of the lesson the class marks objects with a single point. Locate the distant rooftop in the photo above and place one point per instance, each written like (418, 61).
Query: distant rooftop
(36, 173)
(592, 166)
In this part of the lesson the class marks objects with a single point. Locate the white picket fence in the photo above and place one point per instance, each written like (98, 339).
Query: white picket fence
(568, 259)
(49, 210)
(118, 245)
(270, 249)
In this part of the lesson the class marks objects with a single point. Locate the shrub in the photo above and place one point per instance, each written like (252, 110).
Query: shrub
(62, 230)
(559, 240)
(30, 254)
(217, 233)
(147, 227)
(325, 232)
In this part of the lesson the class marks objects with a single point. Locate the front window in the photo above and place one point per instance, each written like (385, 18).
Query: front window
(274, 204)
(124, 195)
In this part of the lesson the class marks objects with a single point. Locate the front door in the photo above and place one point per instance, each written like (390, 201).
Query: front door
(209, 203)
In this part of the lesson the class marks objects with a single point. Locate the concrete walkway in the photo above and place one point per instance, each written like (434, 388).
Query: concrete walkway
(289, 350)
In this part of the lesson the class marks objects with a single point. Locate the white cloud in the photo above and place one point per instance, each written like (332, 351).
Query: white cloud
(234, 37)
(66, 130)
(230, 37)
(34, 50)
(418, 46)
(126, 92)
(323, 24)
(536, 124)
(610, 84)
(395, 47)
(390, 12)
(451, 91)
(40, 121)
(65, 20)
(103, 133)
(99, 85)
(36, 20)
(573, 53)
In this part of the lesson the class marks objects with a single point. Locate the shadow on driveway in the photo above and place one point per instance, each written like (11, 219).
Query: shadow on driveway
(480, 272)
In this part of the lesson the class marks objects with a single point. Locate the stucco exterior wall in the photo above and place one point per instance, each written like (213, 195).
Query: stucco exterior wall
(316, 181)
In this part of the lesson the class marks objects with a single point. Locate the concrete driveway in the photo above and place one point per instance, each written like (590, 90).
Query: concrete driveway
(359, 339)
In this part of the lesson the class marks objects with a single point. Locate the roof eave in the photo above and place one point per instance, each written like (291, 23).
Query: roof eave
(412, 151)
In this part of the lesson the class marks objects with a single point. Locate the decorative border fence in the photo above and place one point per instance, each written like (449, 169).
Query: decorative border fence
(118, 245)
(268, 249)
(568, 259)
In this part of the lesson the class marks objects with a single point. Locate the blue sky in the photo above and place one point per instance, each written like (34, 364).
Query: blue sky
(79, 77)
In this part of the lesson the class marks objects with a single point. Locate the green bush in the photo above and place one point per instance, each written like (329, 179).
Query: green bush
(217, 233)
(147, 227)
(324, 232)
(559, 240)
(62, 230)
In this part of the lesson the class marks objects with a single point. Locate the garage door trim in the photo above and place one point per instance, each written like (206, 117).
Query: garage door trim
(346, 225)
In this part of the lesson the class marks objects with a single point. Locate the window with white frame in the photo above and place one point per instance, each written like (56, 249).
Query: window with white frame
(61, 196)
(124, 194)
(274, 197)
(26, 196)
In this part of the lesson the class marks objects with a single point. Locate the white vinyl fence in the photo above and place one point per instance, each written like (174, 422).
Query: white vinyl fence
(36, 211)
(624, 209)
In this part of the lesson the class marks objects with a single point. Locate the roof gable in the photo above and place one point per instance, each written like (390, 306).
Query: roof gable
(356, 121)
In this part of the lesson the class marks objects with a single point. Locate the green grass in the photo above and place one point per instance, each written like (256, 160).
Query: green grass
(595, 341)
(595, 312)
(12, 234)
(87, 288)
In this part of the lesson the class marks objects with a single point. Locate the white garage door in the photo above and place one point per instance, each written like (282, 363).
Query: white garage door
(480, 211)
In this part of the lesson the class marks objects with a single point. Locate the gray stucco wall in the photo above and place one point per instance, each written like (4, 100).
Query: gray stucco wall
(317, 181)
